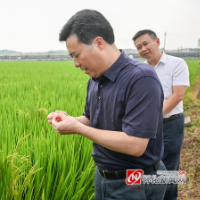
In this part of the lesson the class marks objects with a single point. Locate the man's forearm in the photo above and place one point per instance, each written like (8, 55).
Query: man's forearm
(84, 120)
(114, 140)
(170, 104)
(177, 96)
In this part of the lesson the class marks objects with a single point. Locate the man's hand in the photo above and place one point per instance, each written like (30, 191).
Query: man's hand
(61, 116)
(64, 124)
(53, 114)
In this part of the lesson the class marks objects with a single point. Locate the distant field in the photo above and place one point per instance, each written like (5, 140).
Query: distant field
(194, 70)
(35, 161)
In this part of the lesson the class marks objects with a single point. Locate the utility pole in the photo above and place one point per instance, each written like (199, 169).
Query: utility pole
(198, 47)
(165, 33)
(181, 51)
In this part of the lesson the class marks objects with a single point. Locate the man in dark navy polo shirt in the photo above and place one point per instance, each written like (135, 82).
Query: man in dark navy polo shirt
(123, 110)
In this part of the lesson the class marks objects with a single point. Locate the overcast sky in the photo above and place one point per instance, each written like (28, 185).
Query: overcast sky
(34, 25)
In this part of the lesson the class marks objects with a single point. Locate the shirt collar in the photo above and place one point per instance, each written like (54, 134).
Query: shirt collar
(163, 58)
(116, 67)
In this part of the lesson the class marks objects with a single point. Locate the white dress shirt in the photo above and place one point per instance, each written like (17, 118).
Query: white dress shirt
(172, 71)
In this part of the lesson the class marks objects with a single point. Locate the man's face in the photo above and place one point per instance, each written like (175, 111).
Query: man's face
(147, 46)
(85, 56)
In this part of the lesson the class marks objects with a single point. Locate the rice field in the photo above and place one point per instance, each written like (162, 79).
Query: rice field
(194, 70)
(35, 161)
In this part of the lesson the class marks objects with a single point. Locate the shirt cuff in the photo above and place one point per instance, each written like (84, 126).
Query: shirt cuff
(86, 115)
(137, 133)
(181, 84)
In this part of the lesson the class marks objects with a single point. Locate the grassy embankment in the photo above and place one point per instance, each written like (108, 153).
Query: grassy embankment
(190, 154)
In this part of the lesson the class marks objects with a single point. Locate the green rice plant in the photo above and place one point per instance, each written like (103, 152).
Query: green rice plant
(46, 164)
(16, 175)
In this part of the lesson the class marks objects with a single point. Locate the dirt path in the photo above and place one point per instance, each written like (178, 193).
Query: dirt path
(190, 154)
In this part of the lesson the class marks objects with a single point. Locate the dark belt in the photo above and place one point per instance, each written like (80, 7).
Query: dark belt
(173, 117)
(122, 174)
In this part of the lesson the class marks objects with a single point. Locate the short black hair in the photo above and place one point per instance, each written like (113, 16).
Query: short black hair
(87, 25)
(143, 32)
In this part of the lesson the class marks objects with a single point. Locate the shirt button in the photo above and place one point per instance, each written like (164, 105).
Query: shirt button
(99, 97)
(101, 86)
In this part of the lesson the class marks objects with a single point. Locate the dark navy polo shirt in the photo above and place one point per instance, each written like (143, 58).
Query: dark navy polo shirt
(128, 97)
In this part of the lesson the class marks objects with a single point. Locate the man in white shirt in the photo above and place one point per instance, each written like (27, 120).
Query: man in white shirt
(174, 77)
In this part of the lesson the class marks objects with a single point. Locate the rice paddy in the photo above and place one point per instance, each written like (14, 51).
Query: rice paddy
(35, 161)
